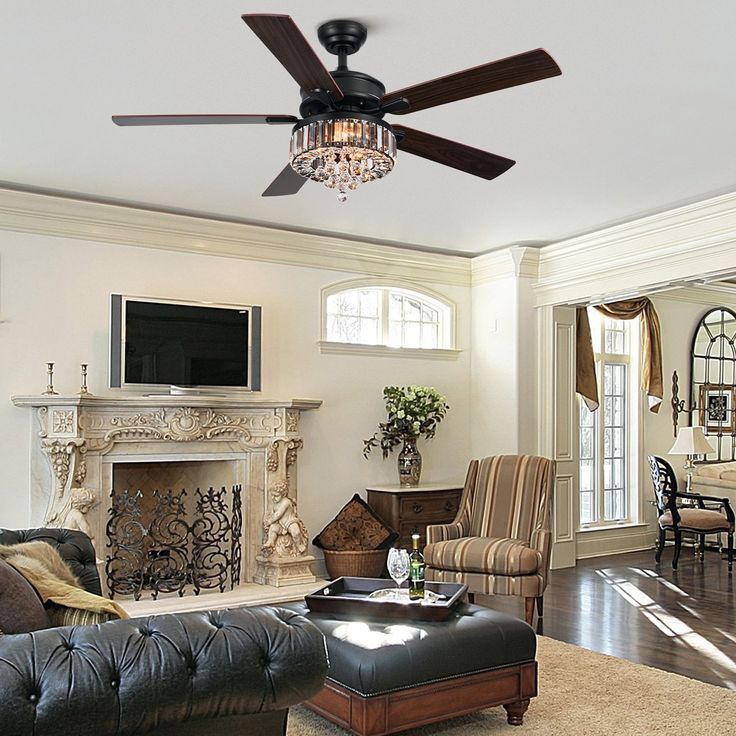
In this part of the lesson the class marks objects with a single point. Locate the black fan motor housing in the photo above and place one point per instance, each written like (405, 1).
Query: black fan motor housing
(362, 94)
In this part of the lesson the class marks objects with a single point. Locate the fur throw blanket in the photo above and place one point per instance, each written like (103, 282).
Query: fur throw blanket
(43, 567)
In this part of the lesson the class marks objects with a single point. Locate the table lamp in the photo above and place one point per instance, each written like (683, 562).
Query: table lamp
(691, 441)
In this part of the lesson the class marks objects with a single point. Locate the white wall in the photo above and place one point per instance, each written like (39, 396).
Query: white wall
(494, 371)
(527, 352)
(504, 353)
(54, 297)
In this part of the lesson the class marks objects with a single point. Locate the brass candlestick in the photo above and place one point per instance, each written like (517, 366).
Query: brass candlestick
(83, 388)
(49, 380)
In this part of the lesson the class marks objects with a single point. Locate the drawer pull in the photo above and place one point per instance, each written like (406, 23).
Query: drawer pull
(449, 506)
(417, 508)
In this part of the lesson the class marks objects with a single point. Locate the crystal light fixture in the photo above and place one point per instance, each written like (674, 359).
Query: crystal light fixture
(343, 152)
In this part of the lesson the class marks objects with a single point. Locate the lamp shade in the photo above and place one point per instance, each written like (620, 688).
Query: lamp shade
(691, 441)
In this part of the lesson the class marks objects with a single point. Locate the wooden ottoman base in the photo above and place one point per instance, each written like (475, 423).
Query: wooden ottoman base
(377, 715)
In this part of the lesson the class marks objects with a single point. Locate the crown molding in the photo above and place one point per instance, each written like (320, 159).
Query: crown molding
(686, 244)
(526, 261)
(54, 216)
(513, 262)
(651, 254)
(492, 266)
(709, 295)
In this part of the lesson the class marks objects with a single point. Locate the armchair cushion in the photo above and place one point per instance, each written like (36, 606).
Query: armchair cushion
(697, 520)
(484, 555)
(21, 610)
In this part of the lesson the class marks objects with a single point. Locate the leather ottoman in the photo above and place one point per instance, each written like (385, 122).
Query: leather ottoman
(388, 675)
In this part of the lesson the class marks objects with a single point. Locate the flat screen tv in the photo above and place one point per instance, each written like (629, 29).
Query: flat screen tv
(157, 343)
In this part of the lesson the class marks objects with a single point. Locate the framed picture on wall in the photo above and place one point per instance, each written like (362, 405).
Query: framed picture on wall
(717, 408)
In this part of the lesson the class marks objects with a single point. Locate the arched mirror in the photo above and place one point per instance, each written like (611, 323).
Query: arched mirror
(713, 381)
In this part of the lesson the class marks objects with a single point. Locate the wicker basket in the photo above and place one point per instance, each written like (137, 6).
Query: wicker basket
(368, 563)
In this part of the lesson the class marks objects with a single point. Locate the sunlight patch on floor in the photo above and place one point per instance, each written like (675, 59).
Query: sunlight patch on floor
(652, 575)
(691, 611)
(670, 625)
(727, 634)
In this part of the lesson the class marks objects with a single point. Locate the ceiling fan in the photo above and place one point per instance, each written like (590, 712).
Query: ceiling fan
(341, 138)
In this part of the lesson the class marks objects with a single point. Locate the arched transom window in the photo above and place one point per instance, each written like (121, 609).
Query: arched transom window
(396, 317)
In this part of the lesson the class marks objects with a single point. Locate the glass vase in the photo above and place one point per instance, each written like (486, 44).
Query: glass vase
(410, 463)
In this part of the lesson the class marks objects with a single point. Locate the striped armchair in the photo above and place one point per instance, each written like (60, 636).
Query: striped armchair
(501, 539)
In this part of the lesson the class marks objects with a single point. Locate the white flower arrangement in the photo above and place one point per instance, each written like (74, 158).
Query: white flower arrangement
(412, 411)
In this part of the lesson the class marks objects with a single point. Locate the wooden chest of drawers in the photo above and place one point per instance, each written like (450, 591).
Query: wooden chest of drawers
(411, 509)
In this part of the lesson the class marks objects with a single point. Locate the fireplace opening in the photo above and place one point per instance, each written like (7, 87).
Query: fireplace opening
(170, 541)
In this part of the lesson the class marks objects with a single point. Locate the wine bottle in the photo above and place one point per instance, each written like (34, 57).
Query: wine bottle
(416, 570)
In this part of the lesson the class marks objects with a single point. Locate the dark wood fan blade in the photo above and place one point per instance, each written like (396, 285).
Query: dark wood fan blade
(449, 153)
(521, 69)
(287, 182)
(203, 119)
(286, 42)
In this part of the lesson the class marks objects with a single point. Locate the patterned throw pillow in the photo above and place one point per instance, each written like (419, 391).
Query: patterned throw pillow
(64, 616)
(21, 610)
(356, 527)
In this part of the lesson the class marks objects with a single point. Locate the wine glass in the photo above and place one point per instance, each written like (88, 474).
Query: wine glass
(398, 566)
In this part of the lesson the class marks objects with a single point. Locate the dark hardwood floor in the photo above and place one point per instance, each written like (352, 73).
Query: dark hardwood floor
(681, 621)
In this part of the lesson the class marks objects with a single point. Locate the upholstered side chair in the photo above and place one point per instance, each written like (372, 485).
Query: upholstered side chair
(694, 517)
(500, 542)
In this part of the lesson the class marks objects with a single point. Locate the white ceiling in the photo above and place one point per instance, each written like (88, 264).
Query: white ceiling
(641, 120)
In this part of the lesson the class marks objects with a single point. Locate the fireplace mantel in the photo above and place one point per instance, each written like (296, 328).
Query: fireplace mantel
(193, 400)
(77, 439)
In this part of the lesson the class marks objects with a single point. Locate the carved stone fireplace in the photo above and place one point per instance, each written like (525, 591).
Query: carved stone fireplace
(87, 446)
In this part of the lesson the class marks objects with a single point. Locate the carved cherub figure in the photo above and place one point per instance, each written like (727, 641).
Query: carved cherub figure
(81, 500)
(283, 523)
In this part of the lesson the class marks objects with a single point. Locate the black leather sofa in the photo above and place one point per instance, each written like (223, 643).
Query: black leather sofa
(227, 672)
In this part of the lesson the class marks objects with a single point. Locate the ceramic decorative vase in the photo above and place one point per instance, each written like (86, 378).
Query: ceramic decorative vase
(410, 463)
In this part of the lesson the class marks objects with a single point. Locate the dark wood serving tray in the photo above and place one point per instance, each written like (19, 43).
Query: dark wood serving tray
(350, 596)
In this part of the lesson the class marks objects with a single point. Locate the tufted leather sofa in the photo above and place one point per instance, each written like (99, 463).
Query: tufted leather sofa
(216, 672)
(75, 548)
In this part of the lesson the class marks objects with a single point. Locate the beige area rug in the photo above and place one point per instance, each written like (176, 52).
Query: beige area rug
(583, 693)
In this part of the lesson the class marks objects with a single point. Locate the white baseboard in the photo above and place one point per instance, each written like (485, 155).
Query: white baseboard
(621, 551)
(614, 542)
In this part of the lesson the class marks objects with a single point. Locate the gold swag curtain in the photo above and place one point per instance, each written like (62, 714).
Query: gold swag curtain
(651, 350)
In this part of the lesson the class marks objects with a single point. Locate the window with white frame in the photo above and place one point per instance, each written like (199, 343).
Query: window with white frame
(608, 436)
(386, 315)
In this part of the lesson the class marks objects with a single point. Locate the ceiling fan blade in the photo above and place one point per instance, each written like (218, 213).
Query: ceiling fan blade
(449, 153)
(287, 182)
(203, 119)
(286, 42)
(520, 69)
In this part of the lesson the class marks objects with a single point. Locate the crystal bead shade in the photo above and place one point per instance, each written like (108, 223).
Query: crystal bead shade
(343, 153)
